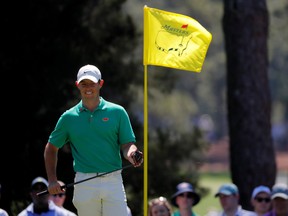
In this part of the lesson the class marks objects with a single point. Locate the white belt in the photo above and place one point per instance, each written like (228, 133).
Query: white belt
(101, 174)
(105, 174)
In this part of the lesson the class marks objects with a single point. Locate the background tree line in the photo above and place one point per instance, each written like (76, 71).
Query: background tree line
(44, 45)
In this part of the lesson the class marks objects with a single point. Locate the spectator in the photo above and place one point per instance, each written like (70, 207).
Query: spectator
(2, 211)
(229, 200)
(279, 198)
(159, 207)
(184, 199)
(59, 200)
(41, 205)
(261, 200)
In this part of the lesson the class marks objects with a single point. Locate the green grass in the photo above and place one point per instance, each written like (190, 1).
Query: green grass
(212, 182)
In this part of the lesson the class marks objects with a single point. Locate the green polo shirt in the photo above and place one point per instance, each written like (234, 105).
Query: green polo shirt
(95, 137)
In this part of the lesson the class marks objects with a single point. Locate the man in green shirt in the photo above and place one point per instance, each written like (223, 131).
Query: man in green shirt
(97, 131)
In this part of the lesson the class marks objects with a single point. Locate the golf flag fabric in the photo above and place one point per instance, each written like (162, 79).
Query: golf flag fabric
(174, 40)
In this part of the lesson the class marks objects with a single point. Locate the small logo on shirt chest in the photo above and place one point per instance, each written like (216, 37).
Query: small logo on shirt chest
(105, 119)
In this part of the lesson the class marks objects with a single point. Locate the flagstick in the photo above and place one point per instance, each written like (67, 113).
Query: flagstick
(145, 96)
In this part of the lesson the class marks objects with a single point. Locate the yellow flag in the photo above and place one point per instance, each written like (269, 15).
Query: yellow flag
(174, 40)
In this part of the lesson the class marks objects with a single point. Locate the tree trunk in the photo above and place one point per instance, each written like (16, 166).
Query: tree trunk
(252, 156)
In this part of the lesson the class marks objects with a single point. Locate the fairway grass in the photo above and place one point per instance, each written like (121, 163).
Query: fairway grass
(211, 181)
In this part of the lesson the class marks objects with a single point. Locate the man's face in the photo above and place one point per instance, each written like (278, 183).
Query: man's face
(89, 89)
(58, 199)
(280, 205)
(228, 202)
(261, 203)
(38, 187)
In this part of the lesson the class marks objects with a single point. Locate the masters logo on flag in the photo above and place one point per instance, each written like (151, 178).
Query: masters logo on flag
(174, 40)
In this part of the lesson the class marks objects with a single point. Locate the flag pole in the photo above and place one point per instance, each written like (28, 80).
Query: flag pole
(145, 121)
(145, 96)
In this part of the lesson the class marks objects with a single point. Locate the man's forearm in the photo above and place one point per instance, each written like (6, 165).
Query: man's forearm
(50, 158)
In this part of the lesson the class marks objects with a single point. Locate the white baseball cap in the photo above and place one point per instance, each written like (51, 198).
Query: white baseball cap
(260, 189)
(90, 72)
(280, 190)
(40, 180)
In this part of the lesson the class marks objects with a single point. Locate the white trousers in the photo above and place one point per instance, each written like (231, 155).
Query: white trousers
(101, 196)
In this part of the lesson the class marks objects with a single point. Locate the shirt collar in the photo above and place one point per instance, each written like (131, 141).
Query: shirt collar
(81, 108)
